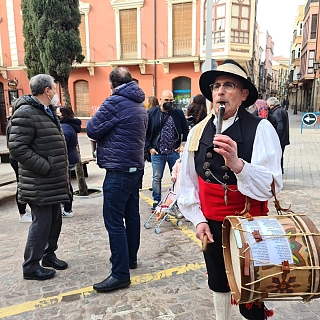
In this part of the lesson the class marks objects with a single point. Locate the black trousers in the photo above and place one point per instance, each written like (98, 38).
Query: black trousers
(44, 232)
(217, 278)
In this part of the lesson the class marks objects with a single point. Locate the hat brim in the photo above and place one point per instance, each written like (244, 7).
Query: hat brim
(210, 76)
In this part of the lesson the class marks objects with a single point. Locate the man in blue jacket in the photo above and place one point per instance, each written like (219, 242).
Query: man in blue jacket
(119, 127)
(167, 128)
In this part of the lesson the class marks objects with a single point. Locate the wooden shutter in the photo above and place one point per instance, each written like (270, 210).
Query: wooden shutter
(182, 28)
(81, 89)
(128, 33)
(83, 38)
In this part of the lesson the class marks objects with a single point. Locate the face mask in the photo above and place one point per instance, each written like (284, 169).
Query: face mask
(54, 101)
(167, 106)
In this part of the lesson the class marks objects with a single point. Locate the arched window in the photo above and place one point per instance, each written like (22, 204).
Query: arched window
(218, 21)
(240, 21)
(82, 101)
(181, 92)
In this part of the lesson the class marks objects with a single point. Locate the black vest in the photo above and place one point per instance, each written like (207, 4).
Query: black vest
(242, 131)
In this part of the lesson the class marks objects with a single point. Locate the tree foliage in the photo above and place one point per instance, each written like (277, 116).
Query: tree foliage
(52, 44)
(52, 41)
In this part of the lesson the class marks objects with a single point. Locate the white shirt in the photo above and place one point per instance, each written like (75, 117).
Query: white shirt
(253, 181)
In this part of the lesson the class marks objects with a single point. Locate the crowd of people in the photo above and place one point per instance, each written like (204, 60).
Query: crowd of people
(219, 170)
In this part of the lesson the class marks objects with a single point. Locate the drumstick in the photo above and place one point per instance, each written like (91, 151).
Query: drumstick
(221, 111)
(204, 243)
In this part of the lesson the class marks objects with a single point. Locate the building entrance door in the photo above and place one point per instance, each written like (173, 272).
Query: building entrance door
(182, 92)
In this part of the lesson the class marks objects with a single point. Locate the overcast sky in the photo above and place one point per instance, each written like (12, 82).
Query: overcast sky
(277, 17)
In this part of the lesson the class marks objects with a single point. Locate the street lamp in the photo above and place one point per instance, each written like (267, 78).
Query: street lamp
(296, 86)
(316, 66)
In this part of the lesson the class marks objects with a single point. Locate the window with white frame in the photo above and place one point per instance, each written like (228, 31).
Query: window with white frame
(218, 21)
(240, 21)
(314, 23)
(128, 28)
(300, 29)
(182, 28)
(128, 33)
(310, 62)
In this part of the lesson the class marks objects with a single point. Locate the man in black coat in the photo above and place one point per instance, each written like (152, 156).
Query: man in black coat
(36, 141)
(281, 116)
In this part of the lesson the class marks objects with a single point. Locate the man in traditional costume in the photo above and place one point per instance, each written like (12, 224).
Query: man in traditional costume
(223, 172)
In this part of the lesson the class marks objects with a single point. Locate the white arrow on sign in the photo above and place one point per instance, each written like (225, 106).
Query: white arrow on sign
(309, 119)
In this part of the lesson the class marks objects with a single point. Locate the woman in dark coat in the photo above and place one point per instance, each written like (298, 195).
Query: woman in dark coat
(196, 111)
(71, 126)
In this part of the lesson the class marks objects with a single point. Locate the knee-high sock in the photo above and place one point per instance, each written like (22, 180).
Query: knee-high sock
(222, 305)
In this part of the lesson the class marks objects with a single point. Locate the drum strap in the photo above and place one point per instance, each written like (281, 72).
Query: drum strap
(246, 214)
(277, 205)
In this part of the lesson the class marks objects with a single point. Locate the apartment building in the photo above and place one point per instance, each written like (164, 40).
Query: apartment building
(308, 71)
(295, 88)
(163, 43)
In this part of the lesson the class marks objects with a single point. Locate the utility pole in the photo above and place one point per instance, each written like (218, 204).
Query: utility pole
(208, 61)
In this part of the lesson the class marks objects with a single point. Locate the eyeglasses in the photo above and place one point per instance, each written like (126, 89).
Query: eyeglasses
(168, 100)
(227, 86)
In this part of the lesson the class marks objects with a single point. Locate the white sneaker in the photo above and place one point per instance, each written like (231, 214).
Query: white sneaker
(66, 214)
(26, 217)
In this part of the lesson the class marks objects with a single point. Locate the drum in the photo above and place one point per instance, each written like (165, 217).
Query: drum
(271, 257)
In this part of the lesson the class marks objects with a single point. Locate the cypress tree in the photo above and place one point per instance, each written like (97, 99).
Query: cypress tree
(32, 53)
(52, 44)
(52, 39)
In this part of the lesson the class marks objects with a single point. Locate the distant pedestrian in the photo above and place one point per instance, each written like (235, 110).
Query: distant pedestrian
(282, 119)
(152, 103)
(167, 129)
(262, 111)
(196, 111)
(119, 127)
(36, 142)
(287, 105)
(71, 126)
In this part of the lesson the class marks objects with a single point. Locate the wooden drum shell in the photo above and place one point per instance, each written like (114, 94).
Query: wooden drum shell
(270, 283)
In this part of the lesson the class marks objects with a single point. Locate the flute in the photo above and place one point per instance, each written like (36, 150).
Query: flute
(221, 111)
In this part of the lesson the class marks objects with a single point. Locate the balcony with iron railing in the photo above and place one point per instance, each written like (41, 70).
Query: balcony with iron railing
(180, 48)
(127, 51)
(89, 54)
(21, 55)
(4, 60)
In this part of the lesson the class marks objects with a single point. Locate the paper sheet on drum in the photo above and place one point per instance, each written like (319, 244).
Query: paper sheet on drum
(275, 246)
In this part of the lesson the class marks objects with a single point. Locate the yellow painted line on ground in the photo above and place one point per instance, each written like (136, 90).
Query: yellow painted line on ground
(189, 233)
(88, 291)
(85, 292)
(146, 199)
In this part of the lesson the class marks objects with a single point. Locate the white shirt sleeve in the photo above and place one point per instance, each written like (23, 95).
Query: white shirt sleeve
(256, 177)
(253, 181)
(188, 194)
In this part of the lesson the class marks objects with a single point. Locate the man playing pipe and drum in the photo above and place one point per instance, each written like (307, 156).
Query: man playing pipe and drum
(224, 172)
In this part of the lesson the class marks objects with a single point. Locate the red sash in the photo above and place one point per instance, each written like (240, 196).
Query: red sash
(213, 205)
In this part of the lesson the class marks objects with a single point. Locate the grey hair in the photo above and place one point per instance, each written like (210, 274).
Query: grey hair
(39, 82)
(273, 101)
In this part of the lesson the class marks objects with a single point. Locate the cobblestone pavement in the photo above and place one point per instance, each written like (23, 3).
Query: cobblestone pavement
(170, 281)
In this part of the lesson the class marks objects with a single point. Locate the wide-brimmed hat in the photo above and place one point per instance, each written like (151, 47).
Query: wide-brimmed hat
(228, 68)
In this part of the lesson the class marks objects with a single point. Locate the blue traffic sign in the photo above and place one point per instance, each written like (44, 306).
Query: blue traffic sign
(309, 119)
